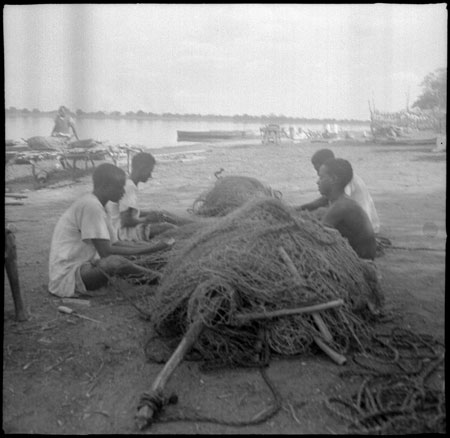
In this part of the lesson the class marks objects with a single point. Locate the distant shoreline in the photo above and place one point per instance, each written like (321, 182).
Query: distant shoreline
(187, 117)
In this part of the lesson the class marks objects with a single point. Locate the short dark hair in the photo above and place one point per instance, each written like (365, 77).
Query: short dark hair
(107, 173)
(143, 160)
(321, 156)
(340, 168)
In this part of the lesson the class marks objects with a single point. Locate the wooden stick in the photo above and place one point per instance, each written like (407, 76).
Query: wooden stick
(322, 327)
(14, 203)
(334, 355)
(325, 332)
(290, 265)
(244, 317)
(13, 275)
(145, 414)
(15, 195)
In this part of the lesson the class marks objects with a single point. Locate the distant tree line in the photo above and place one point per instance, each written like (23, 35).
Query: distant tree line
(142, 115)
(434, 96)
(434, 91)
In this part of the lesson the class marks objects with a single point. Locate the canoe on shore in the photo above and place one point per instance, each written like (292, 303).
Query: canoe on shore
(212, 135)
(406, 141)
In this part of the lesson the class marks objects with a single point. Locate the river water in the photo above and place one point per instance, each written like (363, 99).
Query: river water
(148, 133)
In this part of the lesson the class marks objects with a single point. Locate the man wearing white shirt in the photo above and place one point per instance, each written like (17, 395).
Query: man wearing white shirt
(83, 245)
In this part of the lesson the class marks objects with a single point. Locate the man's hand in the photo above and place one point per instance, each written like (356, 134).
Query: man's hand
(153, 216)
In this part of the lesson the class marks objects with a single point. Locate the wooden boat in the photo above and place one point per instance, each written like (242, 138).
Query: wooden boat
(212, 135)
(406, 141)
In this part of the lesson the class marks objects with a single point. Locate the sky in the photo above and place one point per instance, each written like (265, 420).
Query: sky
(312, 61)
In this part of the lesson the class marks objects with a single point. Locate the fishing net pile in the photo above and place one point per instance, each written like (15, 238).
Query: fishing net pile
(231, 192)
(227, 194)
(239, 264)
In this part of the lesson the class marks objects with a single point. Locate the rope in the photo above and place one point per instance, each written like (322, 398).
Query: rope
(259, 418)
(396, 399)
(156, 402)
(112, 283)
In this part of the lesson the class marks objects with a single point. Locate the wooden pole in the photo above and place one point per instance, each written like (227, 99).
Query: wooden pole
(246, 317)
(146, 413)
(301, 283)
(332, 354)
(13, 275)
(320, 323)
(290, 265)
(15, 195)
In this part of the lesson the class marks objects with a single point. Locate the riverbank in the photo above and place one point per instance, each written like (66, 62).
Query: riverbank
(66, 375)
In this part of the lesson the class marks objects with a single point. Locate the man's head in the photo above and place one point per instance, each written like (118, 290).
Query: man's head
(320, 157)
(334, 175)
(62, 110)
(142, 166)
(109, 182)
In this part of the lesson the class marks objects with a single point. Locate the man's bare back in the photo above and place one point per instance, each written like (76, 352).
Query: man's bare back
(347, 216)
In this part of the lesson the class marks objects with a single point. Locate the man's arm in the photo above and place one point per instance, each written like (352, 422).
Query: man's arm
(335, 215)
(152, 215)
(314, 205)
(129, 218)
(105, 248)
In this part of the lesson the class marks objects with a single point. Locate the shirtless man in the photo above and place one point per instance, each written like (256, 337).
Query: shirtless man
(344, 214)
(84, 246)
(356, 189)
(64, 124)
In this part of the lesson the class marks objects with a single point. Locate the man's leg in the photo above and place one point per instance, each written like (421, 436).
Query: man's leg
(92, 277)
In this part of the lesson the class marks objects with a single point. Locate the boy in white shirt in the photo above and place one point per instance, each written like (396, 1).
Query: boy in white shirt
(83, 243)
(356, 189)
(128, 220)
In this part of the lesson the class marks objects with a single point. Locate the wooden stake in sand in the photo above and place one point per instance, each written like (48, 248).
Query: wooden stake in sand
(13, 275)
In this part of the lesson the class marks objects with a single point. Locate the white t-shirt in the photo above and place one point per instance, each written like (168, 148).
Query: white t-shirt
(114, 209)
(71, 245)
(357, 190)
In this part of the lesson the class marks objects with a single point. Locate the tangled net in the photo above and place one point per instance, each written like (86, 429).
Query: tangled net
(234, 265)
(400, 392)
(231, 192)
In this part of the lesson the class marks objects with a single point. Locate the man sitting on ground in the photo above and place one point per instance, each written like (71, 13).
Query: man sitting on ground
(345, 214)
(83, 244)
(130, 222)
(355, 189)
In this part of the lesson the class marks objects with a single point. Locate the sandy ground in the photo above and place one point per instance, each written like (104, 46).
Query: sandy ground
(66, 375)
